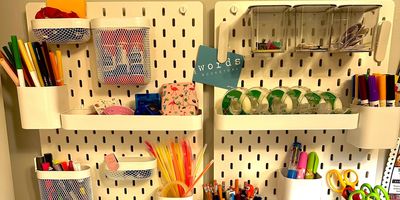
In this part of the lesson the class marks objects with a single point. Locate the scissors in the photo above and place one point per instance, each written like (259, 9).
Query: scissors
(367, 192)
(345, 186)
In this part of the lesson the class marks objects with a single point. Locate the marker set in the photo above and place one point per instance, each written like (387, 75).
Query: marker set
(217, 191)
(376, 90)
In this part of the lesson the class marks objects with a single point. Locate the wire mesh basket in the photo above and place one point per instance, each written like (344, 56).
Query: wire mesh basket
(122, 50)
(61, 31)
(71, 185)
(133, 168)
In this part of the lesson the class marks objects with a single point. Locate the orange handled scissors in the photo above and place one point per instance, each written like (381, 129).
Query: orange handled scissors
(343, 178)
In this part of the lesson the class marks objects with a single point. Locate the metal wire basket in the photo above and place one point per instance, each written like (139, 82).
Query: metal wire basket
(122, 50)
(61, 31)
(133, 168)
(65, 184)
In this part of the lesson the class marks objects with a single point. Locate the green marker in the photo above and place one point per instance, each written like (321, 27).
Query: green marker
(312, 165)
(17, 59)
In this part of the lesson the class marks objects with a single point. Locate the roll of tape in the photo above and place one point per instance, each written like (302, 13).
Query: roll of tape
(236, 102)
(279, 101)
(258, 100)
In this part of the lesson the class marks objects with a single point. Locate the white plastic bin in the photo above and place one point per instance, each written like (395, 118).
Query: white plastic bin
(122, 50)
(61, 31)
(40, 107)
(65, 184)
(378, 128)
(133, 168)
(295, 189)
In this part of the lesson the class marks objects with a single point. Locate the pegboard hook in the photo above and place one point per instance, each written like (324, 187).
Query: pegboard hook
(183, 10)
(234, 10)
(223, 36)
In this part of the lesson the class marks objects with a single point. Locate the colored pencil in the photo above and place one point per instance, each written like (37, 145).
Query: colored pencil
(60, 67)
(45, 51)
(28, 63)
(17, 60)
(8, 69)
(53, 63)
(35, 63)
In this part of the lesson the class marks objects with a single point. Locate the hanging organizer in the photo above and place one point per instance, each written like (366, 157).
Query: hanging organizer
(174, 27)
(257, 151)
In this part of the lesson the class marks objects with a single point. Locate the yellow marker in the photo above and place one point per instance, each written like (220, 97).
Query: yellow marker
(381, 80)
(77, 6)
(28, 63)
(60, 67)
(35, 63)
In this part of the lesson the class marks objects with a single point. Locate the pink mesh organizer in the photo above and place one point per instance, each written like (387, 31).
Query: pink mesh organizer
(122, 50)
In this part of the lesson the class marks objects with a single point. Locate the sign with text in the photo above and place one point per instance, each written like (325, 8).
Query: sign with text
(209, 71)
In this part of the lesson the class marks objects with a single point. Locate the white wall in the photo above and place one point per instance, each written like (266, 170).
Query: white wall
(25, 144)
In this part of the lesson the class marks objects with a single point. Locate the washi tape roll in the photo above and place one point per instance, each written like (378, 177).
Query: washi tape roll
(300, 103)
(258, 100)
(333, 101)
(317, 104)
(236, 102)
(279, 101)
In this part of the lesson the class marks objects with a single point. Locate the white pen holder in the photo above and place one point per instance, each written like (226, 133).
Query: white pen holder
(378, 128)
(65, 184)
(40, 107)
(294, 189)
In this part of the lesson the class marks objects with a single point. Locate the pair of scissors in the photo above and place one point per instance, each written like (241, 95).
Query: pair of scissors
(340, 182)
(367, 192)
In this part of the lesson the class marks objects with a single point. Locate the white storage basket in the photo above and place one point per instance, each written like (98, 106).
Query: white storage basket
(133, 168)
(61, 31)
(122, 50)
(72, 185)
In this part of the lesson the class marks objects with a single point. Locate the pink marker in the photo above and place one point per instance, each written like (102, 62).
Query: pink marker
(301, 167)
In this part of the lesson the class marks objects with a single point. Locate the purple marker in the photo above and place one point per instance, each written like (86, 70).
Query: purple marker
(373, 92)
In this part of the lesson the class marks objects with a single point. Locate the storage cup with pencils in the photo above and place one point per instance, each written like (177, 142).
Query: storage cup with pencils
(179, 172)
(38, 75)
(122, 50)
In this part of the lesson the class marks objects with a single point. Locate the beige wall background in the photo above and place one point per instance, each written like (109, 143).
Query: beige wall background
(24, 145)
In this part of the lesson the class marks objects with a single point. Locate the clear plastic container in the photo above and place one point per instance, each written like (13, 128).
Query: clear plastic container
(269, 28)
(312, 27)
(122, 50)
(354, 28)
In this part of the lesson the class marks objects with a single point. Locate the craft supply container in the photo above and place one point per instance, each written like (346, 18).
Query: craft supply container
(312, 27)
(122, 50)
(133, 168)
(268, 28)
(41, 107)
(65, 184)
(61, 31)
(354, 28)
(378, 128)
(294, 189)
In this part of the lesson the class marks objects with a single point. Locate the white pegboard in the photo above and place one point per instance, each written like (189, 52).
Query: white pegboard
(174, 40)
(257, 155)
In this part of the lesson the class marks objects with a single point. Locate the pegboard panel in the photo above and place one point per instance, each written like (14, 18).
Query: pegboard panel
(257, 155)
(174, 40)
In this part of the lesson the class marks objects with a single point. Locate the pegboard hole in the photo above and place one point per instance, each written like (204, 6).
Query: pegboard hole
(154, 22)
(163, 11)
(123, 12)
(143, 11)
(173, 22)
(233, 32)
(104, 12)
(193, 22)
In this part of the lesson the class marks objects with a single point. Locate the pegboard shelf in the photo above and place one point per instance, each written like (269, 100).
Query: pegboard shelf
(85, 120)
(286, 122)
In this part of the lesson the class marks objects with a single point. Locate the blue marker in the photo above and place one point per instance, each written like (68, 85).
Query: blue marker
(294, 158)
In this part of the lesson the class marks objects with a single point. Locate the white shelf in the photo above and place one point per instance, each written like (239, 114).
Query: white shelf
(86, 120)
(286, 122)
